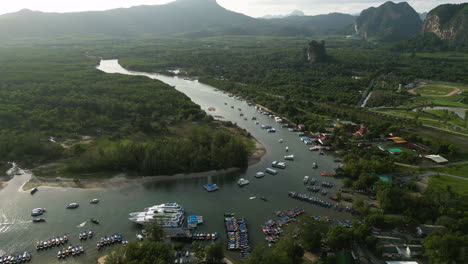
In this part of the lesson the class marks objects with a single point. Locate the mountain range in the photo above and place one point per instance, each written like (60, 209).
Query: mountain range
(183, 17)
(201, 18)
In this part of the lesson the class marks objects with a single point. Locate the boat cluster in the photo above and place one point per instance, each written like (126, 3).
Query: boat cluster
(205, 236)
(237, 234)
(110, 240)
(15, 259)
(85, 235)
(70, 251)
(53, 242)
(310, 199)
(327, 184)
(273, 227)
(345, 223)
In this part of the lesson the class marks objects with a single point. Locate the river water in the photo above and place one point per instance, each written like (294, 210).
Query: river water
(18, 234)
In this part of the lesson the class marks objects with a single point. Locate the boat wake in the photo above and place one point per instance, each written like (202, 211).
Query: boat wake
(82, 224)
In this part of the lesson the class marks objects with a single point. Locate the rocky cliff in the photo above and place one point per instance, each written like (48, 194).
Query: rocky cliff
(449, 22)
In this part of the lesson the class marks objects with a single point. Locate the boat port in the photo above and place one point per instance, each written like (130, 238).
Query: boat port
(237, 234)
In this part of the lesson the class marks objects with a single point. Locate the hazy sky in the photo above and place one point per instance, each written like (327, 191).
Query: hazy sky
(254, 8)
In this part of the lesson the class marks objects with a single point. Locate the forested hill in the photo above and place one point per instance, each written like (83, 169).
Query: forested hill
(192, 18)
(449, 22)
(389, 22)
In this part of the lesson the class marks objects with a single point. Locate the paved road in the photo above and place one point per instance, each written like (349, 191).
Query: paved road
(431, 173)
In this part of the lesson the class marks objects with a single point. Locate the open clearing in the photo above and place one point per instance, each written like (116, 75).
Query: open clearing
(436, 90)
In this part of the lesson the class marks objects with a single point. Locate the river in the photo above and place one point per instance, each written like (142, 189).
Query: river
(18, 234)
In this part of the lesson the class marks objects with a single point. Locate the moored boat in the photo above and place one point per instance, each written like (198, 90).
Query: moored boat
(259, 174)
(289, 157)
(72, 206)
(242, 182)
(271, 171)
(306, 179)
(34, 190)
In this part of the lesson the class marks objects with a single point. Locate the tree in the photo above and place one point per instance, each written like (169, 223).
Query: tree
(338, 237)
(147, 252)
(446, 248)
(214, 253)
(311, 234)
(155, 232)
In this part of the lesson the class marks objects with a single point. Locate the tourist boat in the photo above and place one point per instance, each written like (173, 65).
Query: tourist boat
(306, 179)
(259, 174)
(94, 201)
(72, 206)
(94, 221)
(271, 171)
(38, 220)
(314, 165)
(34, 190)
(38, 211)
(278, 164)
(242, 182)
(211, 187)
(172, 216)
(289, 157)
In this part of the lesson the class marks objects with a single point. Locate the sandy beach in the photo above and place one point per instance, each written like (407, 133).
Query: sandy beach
(120, 180)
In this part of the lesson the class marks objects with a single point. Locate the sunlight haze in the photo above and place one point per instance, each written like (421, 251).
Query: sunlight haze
(255, 8)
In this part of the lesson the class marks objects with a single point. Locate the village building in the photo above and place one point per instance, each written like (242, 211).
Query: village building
(437, 159)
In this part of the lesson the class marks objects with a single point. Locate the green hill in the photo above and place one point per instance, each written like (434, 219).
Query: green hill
(449, 22)
(389, 22)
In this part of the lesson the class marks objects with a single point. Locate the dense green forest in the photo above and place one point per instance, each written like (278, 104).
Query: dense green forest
(53, 95)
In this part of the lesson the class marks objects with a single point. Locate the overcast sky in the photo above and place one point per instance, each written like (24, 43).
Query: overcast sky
(254, 8)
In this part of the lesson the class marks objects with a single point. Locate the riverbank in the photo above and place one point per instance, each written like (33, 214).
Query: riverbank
(121, 179)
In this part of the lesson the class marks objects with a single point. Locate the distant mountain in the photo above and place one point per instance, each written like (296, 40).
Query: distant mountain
(449, 22)
(190, 18)
(312, 25)
(293, 13)
(389, 22)
(173, 18)
(423, 16)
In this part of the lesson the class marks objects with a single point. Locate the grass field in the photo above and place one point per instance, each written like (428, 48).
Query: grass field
(457, 185)
(459, 170)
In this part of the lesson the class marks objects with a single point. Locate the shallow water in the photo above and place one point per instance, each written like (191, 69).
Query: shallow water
(18, 233)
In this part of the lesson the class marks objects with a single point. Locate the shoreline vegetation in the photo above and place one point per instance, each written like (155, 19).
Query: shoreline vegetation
(121, 179)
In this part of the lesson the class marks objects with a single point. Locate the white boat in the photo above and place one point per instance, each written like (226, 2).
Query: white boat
(287, 149)
(72, 206)
(314, 165)
(271, 130)
(306, 179)
(271, 171)
(259, 174)
(289, 157)
(94, 201)
(281, 140)
(243, 182)
(170, 215)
